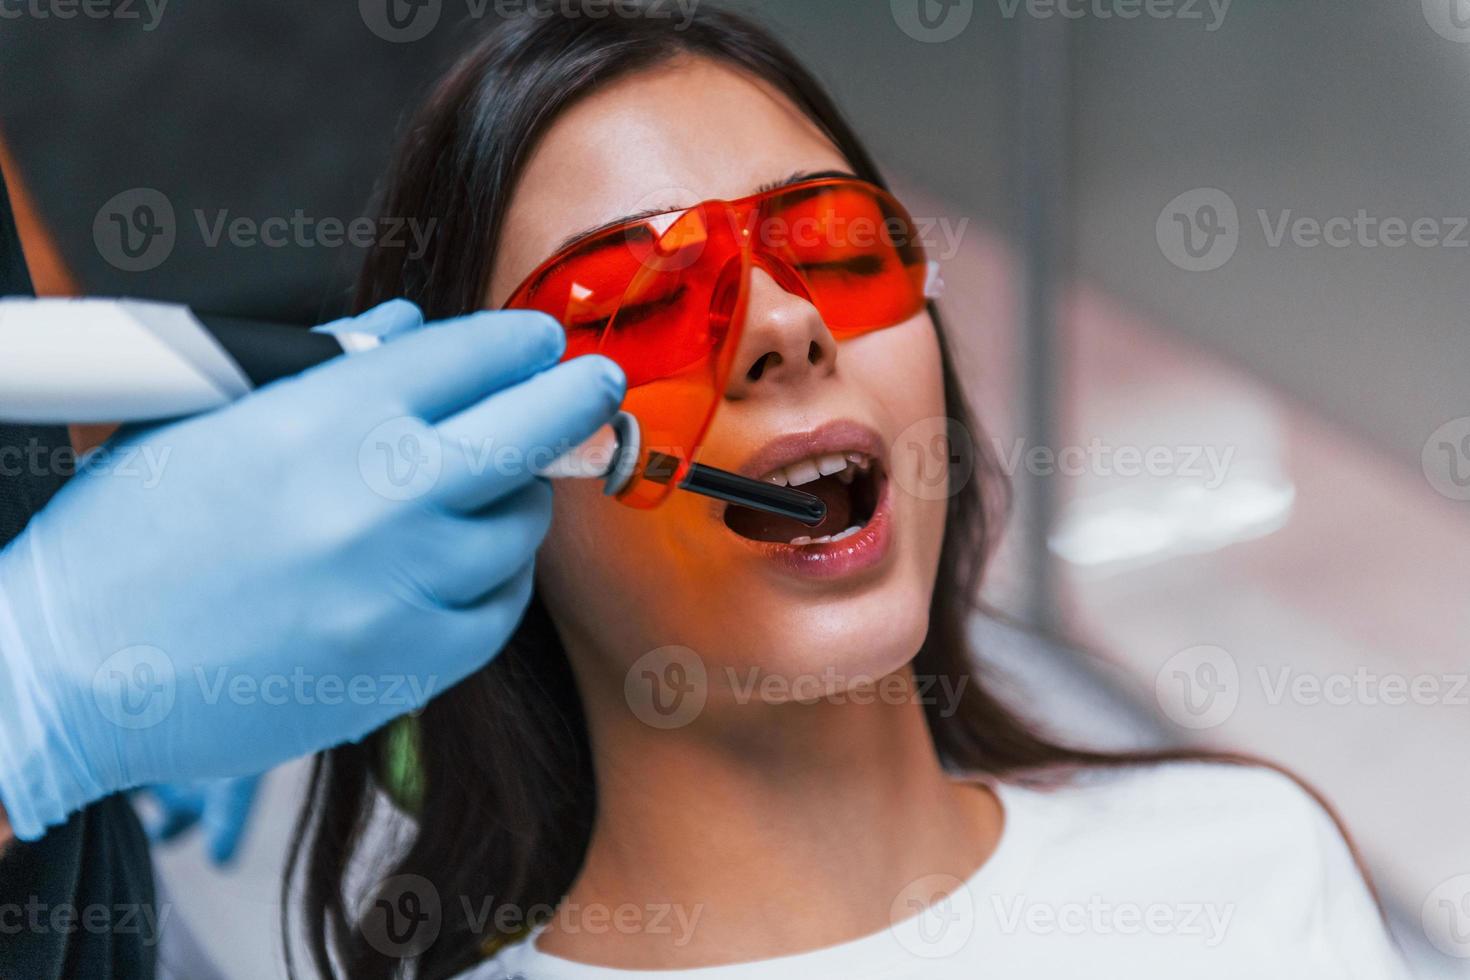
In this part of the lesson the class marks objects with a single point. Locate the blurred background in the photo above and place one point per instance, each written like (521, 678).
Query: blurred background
(1210, 267)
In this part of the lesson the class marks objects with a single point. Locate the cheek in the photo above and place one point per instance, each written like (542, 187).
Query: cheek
(584, 573)
(619, 581)
(902, 371)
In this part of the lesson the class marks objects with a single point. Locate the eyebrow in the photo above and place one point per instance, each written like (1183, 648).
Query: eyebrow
(800, 177)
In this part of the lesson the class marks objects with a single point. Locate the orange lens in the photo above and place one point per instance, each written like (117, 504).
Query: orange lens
(677, 331)
(854, 248)
(665, 296)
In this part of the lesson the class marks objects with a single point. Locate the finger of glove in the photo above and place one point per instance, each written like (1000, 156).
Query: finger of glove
(493, 447)
(385, 321)
(178, 809)
(465, 640)
(227, 807)
(461, 559)
(436, 371)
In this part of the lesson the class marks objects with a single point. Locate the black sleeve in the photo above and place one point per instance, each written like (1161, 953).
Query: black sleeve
(79, 902)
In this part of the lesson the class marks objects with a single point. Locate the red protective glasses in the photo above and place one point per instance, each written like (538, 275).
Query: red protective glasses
(665, 296)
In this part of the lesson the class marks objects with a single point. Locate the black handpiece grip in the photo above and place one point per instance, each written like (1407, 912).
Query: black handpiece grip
(755, 494)
(268, 351)
(786, 501)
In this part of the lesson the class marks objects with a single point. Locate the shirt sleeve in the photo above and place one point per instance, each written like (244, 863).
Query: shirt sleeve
(1349, 930)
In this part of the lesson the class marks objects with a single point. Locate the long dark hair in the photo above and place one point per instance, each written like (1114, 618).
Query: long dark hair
(505, 786)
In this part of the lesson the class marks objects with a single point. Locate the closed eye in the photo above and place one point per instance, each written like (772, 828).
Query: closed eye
(858, 265)
(636, 313)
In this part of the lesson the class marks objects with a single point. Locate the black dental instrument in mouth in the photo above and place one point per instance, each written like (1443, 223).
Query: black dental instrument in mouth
(118, 360)
(733, 488)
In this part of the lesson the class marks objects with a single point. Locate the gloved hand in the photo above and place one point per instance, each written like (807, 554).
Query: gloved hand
(314, 560)
(219, 807)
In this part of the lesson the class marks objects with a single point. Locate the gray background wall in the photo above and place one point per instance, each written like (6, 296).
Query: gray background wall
(1324, 107)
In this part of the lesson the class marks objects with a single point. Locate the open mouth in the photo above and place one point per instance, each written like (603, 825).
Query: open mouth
(850, 483)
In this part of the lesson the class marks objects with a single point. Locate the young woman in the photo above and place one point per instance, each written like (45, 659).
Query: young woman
(846, 798)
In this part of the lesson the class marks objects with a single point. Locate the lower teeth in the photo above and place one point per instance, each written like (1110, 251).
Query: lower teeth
(826, 539)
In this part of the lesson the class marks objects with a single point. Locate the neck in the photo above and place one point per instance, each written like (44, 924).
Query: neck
(765, 830)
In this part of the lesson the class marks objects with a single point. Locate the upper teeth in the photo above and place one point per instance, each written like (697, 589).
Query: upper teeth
(842, 465)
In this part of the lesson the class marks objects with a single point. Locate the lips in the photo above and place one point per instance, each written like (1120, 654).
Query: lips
(840, 462)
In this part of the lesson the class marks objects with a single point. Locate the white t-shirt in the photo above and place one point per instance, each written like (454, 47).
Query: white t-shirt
(1180, 870)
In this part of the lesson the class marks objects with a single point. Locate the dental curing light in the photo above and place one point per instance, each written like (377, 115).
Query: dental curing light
(120, 360)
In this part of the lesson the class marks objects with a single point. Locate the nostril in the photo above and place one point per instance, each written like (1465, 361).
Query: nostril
(769, 359)
(814, 353)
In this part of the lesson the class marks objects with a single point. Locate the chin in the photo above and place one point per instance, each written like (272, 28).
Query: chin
(827, 644)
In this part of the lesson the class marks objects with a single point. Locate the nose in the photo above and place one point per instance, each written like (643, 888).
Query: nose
(785, 343)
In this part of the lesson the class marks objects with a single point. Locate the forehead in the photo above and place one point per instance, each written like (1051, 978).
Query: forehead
(662, 139)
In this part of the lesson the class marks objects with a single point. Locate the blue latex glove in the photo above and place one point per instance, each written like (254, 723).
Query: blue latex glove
(316, 559)
(219, 807)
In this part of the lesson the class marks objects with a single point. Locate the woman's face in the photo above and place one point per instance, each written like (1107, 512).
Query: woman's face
(621, 583)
